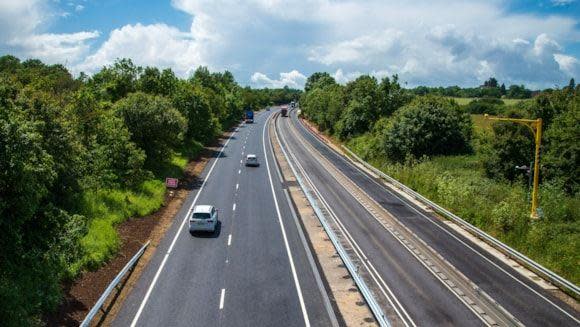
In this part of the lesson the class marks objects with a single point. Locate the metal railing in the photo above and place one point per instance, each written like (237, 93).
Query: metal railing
(101, 301)
(351, 267)
(567, 286)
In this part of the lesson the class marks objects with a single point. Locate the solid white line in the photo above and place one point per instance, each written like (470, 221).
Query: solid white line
(222, 298)
(230, 240)
(294, 275)
(160, 269)
(237, 186)
(234, 207)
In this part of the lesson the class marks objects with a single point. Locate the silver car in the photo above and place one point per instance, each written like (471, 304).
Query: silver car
(252, 160)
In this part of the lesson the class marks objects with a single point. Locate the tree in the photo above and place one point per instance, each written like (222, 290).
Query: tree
(503, 90)
(193, 104)
(490, 106)
(318, 79)
(428, 126)
(356, 119)
(391, 96)
(572, 85)
(511, 145)
(491, 82)
(155, 126)
(116, 81)
(562, 148)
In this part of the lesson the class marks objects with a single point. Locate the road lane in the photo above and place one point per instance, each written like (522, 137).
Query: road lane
(240, 276)
(413, 286)
(524, 299)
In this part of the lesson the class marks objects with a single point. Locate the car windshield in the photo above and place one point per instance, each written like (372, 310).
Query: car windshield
(201, 215)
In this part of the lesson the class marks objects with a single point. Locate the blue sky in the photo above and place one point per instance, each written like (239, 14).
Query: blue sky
(275, 43)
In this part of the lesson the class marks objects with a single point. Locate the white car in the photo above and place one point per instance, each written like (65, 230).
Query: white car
(203, 218)
(252, 160)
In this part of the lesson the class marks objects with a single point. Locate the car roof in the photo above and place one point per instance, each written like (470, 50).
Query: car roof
(251, 156)
(203, 208)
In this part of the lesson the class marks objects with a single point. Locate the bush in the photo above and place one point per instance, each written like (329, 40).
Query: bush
(486, 106)
(428, 126)
(155, 126)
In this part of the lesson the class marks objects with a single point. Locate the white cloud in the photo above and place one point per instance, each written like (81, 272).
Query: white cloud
(433, 42)
(79, 8)
(55, 47)
(568, 64)
(155, 45)
(20, 18)
(22, 24)
(292, 79)
(559, 3)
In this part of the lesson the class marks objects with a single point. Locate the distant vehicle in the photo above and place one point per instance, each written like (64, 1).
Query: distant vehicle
(252, 160)
(249, 116)
(267, 108)
(292, 105)
(204, 218)
(284, 111)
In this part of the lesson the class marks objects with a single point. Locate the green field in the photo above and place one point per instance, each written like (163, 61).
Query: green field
(465, 101)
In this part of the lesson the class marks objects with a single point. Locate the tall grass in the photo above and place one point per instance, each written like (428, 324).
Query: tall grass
(499, 208)
(106, 208)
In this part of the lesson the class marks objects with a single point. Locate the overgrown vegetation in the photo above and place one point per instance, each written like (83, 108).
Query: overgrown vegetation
(429, 143)
(80, 155)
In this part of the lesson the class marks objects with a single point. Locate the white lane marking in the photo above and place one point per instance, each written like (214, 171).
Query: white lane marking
(237, 186)
(240, 161)
(234, 207)
(222, 298)
(294, 275)
(160, 269)
(239, 171)
(230, 240)
(356, 249)
(458, 239)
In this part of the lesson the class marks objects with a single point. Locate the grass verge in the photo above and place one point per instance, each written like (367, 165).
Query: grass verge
(108, 207)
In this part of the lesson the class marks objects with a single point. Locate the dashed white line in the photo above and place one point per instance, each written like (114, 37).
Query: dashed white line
(230, 240)
(240, 161)
(222, 298)
(234, 207)
(164, 261)
(239, 171)
(237, 186)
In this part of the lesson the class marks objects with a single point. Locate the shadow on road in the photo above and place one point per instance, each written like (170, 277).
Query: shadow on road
(214, 234)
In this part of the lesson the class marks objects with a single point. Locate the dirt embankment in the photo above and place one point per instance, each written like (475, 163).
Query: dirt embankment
(81, 294)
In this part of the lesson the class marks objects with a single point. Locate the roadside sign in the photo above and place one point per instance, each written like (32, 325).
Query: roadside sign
(171, 182)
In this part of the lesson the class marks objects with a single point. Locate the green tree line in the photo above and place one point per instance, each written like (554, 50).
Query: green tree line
(430, 143)
(76, 150)
(489, 89)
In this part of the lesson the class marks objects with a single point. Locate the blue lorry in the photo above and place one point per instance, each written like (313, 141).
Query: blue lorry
(249, 117)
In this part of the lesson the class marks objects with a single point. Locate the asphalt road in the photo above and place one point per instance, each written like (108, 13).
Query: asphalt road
(253, 272)
(419, 294)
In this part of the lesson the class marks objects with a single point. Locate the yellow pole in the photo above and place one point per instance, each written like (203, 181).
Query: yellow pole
(536, 126)
(535, 190)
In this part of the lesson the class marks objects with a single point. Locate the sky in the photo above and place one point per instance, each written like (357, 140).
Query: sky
(273, 43)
